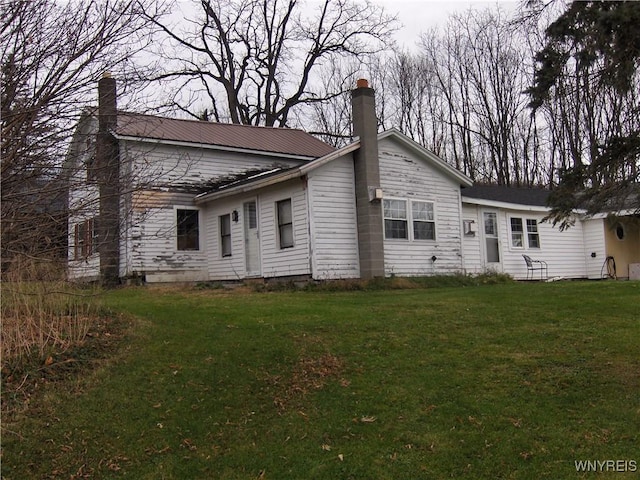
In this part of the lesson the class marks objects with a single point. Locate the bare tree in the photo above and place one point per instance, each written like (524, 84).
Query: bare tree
(256, 60)
(52, 55)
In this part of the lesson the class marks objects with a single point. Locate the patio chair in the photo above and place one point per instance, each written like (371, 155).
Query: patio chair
(534, 265)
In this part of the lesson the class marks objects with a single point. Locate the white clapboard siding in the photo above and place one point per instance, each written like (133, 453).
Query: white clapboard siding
(154, 252)
(277, 262)
(594, 243)
(562, 250)
(472, 252)
(230, 267)
(404, 176)
(151, 249)
(163, 165)
(333, 222)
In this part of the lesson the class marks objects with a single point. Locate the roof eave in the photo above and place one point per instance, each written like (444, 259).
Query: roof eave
(505, 205)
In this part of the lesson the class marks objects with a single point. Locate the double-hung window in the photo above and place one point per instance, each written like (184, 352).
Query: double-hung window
(532, 233)
(285, 223)
(395, 219)
(225, 235)
(518, 233)
(188, 231)
(424, 224)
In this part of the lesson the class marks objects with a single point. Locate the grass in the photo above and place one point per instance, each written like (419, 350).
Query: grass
(498, 381)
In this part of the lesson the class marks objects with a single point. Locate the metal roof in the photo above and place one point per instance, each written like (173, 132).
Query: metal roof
(501, 193)
(287, 141)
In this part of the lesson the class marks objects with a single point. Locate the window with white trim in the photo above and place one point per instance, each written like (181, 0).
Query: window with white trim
(225, 235)
(395, 219)
(424, 224)
(187, 229)
(285, 223)
(521, 229)
(532, 233)
(517, 233)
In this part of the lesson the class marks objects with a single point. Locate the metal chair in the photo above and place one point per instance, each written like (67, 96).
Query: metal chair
(534, 265)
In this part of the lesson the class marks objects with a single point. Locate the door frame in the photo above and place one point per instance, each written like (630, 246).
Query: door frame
(251, 240)
(495, 266)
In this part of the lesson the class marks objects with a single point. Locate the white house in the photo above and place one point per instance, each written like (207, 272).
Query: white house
(179, 200)
(501, 224)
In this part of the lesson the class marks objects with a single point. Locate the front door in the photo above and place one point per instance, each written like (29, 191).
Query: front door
(491, 240)
(251, 239)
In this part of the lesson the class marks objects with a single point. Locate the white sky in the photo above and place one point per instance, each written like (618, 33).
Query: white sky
(418, 16)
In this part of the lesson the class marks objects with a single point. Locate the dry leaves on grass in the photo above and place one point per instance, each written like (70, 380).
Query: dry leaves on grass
(309, 373)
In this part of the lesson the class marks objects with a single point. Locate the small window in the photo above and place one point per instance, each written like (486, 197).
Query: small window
(424, 225)
(187, 230)
(225, 235)
(532, 233)
(620, 231)
(85, 239)
(517, 233)
(395, 219)
(285, 223)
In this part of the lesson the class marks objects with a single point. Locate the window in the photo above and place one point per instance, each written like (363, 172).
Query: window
(517, 233)
(620, 233)
(285, 223)
(424, 225)
(395, 219)
(85, 239)
(187, 230)
(225, 235)
(532, 233)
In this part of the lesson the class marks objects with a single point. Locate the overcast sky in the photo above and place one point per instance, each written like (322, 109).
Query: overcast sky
(418, 16)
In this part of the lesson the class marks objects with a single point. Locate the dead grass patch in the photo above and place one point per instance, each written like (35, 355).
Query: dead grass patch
(308, 374)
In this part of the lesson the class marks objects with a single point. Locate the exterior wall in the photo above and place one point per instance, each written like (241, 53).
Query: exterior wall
(472, 244)
(83, 198)
(625, 250)
(332, 211)
(594, 247)
(403, 176)
(158, 180)
(152, 249)
(563, 251)
(275, 262)
(296, 260)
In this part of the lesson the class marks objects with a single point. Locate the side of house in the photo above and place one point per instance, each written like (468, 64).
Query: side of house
(501, 224)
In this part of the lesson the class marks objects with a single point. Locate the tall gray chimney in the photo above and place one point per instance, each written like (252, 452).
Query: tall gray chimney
(107, 175)
(367, 182)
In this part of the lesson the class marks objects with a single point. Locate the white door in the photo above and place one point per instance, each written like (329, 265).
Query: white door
(251, 239)
(491, 241)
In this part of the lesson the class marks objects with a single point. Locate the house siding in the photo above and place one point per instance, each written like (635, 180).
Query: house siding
(403, 176)
(333, 227)
(275, 262)
(594, 246)
(472, 248)
(562, 250)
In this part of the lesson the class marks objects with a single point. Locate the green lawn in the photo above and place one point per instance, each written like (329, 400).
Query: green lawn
(499, 381)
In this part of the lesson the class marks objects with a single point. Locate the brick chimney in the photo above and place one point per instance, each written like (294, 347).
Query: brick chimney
(367, 182)
(107, 175)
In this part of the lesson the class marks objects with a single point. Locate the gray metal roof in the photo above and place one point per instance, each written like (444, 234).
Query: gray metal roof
(501, 193)
(263, 139)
